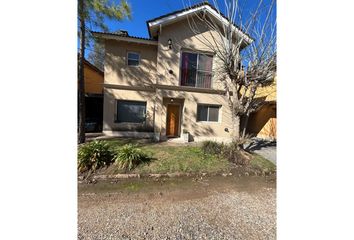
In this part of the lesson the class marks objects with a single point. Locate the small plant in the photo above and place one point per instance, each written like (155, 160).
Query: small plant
(212, 147)
(129, 156)
(94, 155)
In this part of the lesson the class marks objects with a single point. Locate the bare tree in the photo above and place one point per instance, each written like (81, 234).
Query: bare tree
(244, 63)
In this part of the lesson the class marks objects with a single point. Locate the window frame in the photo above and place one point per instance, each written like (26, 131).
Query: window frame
(196, 71)
(127, 100)
(139, 57)
(209, 105)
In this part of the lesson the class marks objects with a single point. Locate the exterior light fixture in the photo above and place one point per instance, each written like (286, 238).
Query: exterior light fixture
(169, 43)
(171, 99)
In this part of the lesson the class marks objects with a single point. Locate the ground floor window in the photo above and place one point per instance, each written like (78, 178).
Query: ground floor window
(131, 111)
(208, 113)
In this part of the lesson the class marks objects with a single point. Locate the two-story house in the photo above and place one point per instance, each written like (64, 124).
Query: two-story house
(166, 85)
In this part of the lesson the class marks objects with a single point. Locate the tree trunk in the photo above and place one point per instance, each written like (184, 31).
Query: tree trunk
(244, 125)
(81, 98)
(236, 127)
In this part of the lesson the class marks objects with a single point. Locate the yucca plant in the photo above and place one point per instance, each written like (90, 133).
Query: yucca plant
(94, 155)
(130, 156)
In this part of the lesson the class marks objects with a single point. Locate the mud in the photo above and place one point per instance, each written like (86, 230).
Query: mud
(176, 189)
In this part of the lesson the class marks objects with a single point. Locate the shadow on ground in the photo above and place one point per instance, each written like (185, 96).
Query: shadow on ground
(258, 144)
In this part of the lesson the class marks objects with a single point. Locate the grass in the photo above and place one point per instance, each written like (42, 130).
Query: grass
(181, 159)
(187, 159)
(116, 143)
(132, 186)
(259, 162)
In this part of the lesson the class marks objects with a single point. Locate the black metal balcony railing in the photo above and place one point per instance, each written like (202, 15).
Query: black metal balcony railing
(202, 80)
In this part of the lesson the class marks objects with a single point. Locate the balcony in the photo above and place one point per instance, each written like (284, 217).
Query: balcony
(196, 70)
(202, 79)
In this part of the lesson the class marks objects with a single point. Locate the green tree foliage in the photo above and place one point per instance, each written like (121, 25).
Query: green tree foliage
(92, 15)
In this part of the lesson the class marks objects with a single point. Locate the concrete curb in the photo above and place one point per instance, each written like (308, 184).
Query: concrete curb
(136, 175)
(116, 176)
(96, 178)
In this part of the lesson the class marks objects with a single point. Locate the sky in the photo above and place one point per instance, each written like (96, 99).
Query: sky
(144, 10)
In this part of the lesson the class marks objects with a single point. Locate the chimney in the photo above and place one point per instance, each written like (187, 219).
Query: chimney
(122, 33)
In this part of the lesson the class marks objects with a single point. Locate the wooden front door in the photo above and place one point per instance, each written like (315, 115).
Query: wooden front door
(172, 120)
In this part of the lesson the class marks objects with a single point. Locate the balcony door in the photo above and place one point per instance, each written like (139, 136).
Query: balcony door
(196, 70)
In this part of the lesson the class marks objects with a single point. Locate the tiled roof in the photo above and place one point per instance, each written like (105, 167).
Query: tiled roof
(181, 10)
(166, 15)
(120, 35)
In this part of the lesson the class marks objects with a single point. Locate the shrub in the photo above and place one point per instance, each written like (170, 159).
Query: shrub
(94, 155)
(129, 156)
(212, 147)
(235, 154)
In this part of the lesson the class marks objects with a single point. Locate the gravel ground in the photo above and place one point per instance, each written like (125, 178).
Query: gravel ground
(200, 210)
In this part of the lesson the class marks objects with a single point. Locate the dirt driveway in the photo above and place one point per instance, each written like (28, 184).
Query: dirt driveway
(201, 208)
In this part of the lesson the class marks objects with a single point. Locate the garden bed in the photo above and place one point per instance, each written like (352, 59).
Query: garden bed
(180, 160)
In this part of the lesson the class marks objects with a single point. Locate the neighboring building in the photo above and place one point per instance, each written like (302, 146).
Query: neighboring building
(263, 122)
(163, 86)
(93, 97)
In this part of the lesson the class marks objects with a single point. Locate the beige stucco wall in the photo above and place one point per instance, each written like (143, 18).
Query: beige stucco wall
(116, 69)
(207, 129)
(157, 103)
(190, 100)
(156, 61)
(110, 109)
(183, 38)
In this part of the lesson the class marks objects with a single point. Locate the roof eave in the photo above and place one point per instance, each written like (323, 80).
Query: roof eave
(124, 39)
(182, 13)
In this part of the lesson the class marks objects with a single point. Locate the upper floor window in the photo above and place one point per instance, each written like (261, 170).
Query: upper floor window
(196, 70)
(133, 58)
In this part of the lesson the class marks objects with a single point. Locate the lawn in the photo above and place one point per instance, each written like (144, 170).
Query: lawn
(181, 159)
(259, 162)
(168, 158)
